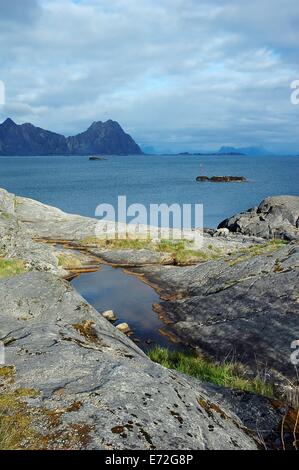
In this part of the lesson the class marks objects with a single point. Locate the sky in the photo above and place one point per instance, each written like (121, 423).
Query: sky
(178, 75)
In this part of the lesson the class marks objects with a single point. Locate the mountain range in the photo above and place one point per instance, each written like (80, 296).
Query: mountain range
(224, 150)
(252, 151)
(106, 138)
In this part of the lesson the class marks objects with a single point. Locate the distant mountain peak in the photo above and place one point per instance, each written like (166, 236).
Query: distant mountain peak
(100, 138)
(255, 150)
(109, 123)
(9, 122)
(96, 123)
(103, 138)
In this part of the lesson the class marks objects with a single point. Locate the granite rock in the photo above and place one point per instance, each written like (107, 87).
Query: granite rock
(275, 217)
(92, 375)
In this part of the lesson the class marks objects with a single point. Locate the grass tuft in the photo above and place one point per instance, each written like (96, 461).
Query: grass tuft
(86, 329)
(11, 267)
(7, 372)
(246, 253)
(15, 420)
(227, 374)
(182, 251)
(68, 261)
(115, 244)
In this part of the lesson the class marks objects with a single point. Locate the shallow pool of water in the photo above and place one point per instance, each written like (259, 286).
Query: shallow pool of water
(130, 299)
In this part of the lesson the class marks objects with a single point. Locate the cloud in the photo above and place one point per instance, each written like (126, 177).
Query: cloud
(18, 11)
(177, 74)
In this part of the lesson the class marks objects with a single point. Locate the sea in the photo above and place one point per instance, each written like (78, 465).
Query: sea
(77, 185)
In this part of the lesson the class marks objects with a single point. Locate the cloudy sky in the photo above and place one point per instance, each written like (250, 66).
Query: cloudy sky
(177, 74)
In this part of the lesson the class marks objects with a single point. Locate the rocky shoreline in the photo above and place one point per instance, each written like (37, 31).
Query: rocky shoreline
(67, 367)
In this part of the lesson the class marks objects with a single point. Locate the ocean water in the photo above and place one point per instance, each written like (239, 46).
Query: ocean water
(78, 185)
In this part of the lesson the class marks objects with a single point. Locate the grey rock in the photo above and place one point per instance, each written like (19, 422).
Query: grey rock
(109, 315)
(93, 375)
(7, 202)
(222, 306)
(130, 258)
(238, 305)
(275, 217)
(221, 232)
(245, 308)
(124, 328)
(16, 243)
(40, 221)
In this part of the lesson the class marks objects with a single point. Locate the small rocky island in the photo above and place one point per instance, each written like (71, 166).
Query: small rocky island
(71, 380)
(222, 179)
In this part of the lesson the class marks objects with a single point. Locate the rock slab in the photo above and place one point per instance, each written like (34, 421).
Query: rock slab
(92, 375)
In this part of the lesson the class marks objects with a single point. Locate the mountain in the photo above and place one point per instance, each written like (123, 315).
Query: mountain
(149, 149)
(253, 151)
(27, 139)
(101, 137)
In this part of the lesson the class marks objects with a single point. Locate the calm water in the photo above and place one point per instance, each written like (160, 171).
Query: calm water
(78, 185)
(129, 298)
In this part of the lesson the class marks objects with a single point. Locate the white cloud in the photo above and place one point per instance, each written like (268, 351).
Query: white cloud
(175, 73)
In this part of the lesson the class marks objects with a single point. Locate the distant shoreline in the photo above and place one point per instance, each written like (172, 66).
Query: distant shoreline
(151, 155)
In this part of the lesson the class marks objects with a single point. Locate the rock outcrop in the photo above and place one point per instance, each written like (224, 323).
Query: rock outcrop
(106, 138)
(275, 217)
(16, 243)
(245, 307)
(222, 306)
(92, 378)
(86, 385)
(221, 179)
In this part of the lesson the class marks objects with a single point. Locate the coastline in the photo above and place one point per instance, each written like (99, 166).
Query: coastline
(72, 351)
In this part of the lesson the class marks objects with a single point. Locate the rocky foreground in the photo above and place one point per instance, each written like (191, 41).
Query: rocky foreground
(76, 382)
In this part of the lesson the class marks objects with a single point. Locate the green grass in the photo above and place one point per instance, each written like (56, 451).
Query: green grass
(15, 420)
(6, 215)
(20, 422)
(227, 374)
(255, 250)
(122, 244)
(182, 251)
(69, 261)
(268, 247)
(11, 267)
(171, 246)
